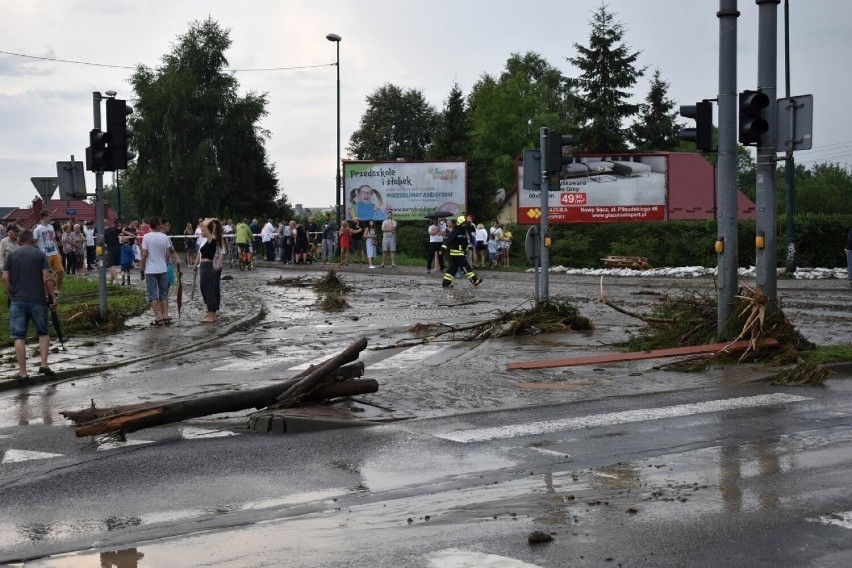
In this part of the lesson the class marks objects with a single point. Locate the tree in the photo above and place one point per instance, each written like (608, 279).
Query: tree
(507, 113)
(608, 71)
(824, 188)
(397, 124)
(656, 128)
(451, 139)
(201, 151)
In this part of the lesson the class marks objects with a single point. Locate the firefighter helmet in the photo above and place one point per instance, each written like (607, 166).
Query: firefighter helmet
(461, 219)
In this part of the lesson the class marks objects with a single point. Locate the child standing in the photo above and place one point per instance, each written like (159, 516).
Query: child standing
(492, 251)
(126, 261)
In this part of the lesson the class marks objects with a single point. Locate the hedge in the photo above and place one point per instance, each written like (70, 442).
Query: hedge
(820, 240)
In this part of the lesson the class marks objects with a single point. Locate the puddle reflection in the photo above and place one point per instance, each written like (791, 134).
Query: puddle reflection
(128, 558)
(41, 410)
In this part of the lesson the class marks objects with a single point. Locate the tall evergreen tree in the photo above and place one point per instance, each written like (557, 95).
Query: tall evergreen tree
(608, 71)
(201, 150)
(452, 133)
(656, 127)
(397, 124)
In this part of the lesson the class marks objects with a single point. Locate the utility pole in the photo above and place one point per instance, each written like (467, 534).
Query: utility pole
(544, 264)
(790, 163)
(726, 172)
(766, 241)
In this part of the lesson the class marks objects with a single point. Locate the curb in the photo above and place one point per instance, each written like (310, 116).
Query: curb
(278, 424)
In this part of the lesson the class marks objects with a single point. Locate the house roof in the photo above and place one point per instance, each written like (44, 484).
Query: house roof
(63, 210)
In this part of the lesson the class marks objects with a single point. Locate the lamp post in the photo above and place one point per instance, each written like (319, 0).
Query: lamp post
(338, 188)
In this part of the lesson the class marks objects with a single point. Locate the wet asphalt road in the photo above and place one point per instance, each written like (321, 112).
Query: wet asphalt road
(709, 485)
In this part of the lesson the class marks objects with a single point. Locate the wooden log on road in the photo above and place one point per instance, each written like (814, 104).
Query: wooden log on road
(145, 415)
(319, 377)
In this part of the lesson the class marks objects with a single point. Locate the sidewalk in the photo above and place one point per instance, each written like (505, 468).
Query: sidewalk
(139, 341)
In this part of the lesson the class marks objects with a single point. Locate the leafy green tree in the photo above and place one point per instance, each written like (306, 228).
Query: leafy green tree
(656, 125)
(397, 124)
(201, 150)
(608, 71)
(822, 188)
(507, 113)
(451, 139)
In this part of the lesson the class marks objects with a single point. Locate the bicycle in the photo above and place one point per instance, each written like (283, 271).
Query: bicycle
(246, 258)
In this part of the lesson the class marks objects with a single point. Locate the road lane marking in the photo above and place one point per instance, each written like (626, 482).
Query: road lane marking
(192, 433)
(460, 558)
(404, 359)
(842, 520)
(15, 456)
(108, 444)
(611, 418)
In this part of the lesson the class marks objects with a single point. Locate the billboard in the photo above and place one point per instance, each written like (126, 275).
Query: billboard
(409, 189)
(601, 189)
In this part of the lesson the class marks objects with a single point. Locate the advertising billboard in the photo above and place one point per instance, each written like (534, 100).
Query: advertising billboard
(601, 189)
(409, 189)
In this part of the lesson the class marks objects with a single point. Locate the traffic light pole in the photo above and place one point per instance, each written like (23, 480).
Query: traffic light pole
(726, 172)
(766, 242)
(99, 216)
(544, 253)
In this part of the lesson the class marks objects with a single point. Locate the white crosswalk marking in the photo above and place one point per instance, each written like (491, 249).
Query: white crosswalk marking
(115, 444)
(460, 558)
(842, 520)
(190, 433)
(15, 456)
(407, 357)
(639, 415)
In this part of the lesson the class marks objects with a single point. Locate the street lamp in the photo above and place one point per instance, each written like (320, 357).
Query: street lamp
(338, 188)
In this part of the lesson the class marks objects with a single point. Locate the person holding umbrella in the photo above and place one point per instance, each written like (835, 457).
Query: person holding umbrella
(31, 291)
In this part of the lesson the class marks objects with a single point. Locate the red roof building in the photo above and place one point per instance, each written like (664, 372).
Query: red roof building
(63, 210)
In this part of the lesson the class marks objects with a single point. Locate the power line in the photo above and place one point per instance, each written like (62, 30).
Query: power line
(57, 60)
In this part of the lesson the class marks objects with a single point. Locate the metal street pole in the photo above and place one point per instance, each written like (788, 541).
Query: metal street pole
(544, 266)
(339, 187)
(766, 241)
(99, 216)
(790, 163)
(726, 172)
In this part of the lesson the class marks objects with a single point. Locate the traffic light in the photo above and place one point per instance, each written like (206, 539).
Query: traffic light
(118, 134)
(553, 157)
(97, 153)
(702, 134)
(752, 124)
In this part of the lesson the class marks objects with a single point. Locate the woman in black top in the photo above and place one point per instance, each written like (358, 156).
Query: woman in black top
(210, 267)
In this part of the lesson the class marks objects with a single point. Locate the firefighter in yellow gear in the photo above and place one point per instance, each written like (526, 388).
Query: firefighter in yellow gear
(458, 243)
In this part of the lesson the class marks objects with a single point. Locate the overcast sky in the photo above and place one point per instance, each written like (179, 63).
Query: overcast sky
(46, 107)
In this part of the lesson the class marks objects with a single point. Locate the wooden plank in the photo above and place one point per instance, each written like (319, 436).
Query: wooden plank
(638, 355)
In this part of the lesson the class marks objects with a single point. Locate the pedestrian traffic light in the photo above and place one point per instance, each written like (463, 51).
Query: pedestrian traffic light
(553, 156)
(752, 125)
(118, 134)
(702, 134)
(96, 153)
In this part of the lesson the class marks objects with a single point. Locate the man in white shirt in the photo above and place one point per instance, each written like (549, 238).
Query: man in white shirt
(45, 238)
(267, 234)
(156, 250)
(389, 239)
(89, 233)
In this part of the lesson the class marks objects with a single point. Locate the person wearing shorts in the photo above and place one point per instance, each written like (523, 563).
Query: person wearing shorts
(31, 291)
(112, 241)
(156, 251)
(45, 237)
(389, 239)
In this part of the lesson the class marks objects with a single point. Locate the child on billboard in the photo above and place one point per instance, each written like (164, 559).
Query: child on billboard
(366, 203)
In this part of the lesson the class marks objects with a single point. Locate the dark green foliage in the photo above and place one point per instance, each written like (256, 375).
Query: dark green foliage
(607, 73)
(397, 124)
(656, 126)
(507, 113)
(201, 151)
(451, 140)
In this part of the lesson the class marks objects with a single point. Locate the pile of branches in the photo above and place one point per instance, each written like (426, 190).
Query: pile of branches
(548, 316)
(331, 379)
(690, 318)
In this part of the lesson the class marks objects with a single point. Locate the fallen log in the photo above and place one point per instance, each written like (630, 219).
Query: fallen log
(265, 394)
(347, 388)
(131, 418)
(319, 377)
